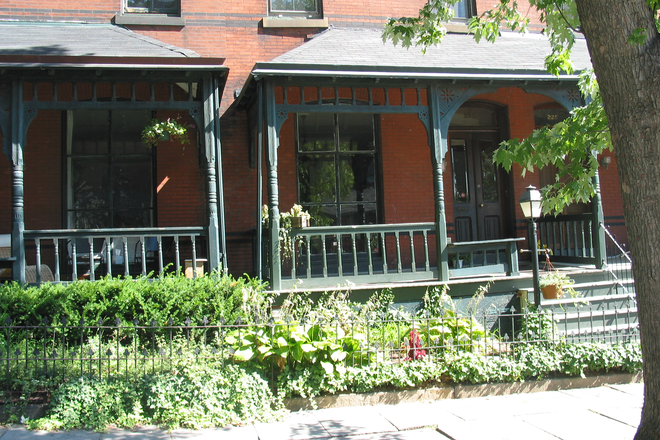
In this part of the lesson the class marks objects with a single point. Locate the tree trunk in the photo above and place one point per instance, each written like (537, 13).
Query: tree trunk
(629, 79)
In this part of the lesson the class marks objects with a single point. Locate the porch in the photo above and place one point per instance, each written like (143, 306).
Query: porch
(317, 258)
(87, 195)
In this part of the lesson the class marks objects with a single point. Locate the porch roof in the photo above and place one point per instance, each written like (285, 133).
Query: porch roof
(28, 45)
(361, 52)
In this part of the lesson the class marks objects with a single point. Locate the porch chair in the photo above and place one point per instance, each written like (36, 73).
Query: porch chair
(83, 255)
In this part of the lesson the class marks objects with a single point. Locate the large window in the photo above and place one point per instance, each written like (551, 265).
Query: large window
(296, 8)
(153, 6)
(337, 168)
(109, 170)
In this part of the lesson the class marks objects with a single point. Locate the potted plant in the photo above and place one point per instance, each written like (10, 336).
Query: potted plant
(296, 217)
(458, 260)
(159, 130)
(299, 217)
(553, 284)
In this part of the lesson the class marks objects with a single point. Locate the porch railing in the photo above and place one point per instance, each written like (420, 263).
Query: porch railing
(570, 237)
(361, 253)
(327, 256)
(71, 254)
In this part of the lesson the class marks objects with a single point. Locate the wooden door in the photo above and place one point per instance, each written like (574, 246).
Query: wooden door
(478, 185)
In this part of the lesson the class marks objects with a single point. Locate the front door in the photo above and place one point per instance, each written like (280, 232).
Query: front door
(479, 190)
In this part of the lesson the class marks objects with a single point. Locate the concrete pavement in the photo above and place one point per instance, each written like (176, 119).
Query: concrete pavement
(609, 412)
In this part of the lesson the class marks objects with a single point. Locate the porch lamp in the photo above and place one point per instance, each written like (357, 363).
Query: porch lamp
(530, 203)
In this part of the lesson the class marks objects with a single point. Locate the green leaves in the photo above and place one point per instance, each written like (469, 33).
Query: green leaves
(571, 146)
(425, 30)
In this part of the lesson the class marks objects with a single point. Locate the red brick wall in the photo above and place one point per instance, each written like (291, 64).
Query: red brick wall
(43, 172)
(229, 29)
(180, 184)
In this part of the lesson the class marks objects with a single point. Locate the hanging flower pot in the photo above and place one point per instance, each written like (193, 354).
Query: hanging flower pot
(159, 130)
(552, 291)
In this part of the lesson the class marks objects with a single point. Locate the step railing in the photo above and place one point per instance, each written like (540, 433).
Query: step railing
(569, 237)
(619, 264)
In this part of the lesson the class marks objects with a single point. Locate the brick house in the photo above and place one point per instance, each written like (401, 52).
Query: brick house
(286, 102)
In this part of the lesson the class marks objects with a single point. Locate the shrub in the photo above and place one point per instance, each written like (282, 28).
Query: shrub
(170, 296)
(193, 396)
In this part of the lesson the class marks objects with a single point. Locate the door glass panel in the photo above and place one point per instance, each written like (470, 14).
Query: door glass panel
(316, 178)
(89, 133)
(126, 132)
(355, 132)
(316, 132)
(89, 183)
(359, 214)
(131, 183)
(488, 173)
(459, 167)
(468, 116)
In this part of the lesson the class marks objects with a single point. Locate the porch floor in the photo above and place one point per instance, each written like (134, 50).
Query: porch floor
(458, 286)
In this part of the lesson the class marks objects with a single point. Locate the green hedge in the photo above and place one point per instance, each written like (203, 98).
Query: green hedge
(173, 297)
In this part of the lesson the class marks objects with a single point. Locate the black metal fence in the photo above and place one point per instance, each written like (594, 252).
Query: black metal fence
(57, 351)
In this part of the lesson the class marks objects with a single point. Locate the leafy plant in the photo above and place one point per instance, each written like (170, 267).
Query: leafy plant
(158, 129)
(556, 278)
(287, 245)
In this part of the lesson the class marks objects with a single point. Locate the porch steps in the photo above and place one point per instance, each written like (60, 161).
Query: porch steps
(605, 310)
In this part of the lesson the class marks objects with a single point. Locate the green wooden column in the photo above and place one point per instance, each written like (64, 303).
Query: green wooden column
(438, 149)
(17, 186)
(209, 149)
(272, 140)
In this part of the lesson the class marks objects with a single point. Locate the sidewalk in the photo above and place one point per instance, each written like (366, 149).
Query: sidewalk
(609, 412)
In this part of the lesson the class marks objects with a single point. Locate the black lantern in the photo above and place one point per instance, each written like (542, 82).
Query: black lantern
(530, 203)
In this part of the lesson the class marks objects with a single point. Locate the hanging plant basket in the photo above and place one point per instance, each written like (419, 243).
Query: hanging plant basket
(159, 130)
(552, 291)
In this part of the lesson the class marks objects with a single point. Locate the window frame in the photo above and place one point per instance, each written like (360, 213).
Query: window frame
(317, 13)
(470, 10)
(174, 11)
(69, 212)
(337, 155)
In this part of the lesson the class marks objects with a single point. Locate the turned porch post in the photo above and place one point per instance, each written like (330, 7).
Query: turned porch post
(272, 140)
(438, 148)
(17, 186)
(210, 150)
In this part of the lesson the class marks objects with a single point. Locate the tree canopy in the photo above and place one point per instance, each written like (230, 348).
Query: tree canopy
(572, 145)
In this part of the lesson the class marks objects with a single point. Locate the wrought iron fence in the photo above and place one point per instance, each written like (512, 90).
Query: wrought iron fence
(55, 352)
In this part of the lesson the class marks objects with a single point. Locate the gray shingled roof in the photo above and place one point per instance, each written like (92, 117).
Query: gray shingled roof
(82, 39)
(363, 49)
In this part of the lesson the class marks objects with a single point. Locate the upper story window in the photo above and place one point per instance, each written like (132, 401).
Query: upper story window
(295, 8)
(172, 7)
(464, 9)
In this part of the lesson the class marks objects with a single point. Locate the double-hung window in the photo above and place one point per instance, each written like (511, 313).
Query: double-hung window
(295, 8)
(337, 168)
(109, 170)
(170, 7)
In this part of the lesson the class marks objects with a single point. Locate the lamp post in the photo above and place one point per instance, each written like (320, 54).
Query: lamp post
(530, 203)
